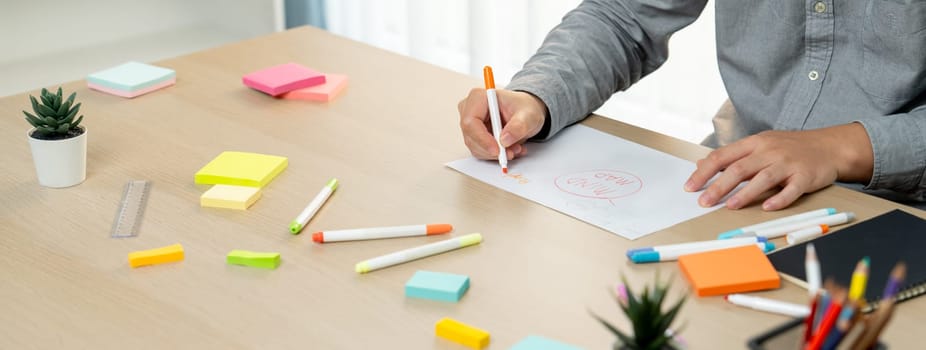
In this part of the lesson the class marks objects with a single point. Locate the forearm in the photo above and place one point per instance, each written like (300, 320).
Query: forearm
(600, 47)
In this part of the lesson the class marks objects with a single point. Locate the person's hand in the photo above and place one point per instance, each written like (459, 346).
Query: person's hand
(798, 162)
(522, 115)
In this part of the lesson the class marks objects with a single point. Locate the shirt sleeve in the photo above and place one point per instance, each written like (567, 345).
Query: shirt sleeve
(898, 142)
(601, 47)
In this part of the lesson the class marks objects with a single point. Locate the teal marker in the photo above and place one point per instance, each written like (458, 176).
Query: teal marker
(296, 226)
(669, 255)
(778, 222)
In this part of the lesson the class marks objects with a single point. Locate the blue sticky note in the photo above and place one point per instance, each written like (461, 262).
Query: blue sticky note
(131, 76)
(534, 342)
(437, 286)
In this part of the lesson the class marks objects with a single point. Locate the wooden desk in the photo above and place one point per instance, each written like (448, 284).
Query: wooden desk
(65, 284)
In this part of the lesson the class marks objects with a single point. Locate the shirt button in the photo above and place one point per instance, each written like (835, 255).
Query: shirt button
(820, 7)
(813, 75)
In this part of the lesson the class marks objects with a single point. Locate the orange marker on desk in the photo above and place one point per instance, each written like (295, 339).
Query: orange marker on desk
(380, 232)
(495, 117)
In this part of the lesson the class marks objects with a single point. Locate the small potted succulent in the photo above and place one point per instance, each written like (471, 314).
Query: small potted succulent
(58, 142)
(651, 324)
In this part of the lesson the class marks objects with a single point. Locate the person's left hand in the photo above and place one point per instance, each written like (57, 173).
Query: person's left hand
(797, 161)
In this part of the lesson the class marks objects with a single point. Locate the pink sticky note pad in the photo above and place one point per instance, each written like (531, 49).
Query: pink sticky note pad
(334, 84)
(132, 94)
(284, 78)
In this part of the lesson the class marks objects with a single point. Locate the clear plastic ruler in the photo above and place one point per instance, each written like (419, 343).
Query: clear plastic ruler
(131, 208)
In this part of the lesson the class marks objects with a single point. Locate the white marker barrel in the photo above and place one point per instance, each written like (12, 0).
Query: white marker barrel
(419, 252)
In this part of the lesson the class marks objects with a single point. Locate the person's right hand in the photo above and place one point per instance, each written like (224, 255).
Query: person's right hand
(522, 115)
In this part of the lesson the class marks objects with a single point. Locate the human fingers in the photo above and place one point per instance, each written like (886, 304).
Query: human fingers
(716, 161)
(474, 114)
(740, 170)
(766, 179)
(797, 185)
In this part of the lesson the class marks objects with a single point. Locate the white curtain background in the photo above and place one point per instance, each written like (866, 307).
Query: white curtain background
(678, 100)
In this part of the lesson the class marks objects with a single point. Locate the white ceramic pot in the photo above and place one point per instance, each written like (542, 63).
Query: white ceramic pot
(60, 163)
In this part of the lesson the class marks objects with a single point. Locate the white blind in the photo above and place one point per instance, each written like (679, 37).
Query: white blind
(464, 36)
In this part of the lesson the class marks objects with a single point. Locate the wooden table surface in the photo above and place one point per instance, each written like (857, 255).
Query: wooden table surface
(64, 283)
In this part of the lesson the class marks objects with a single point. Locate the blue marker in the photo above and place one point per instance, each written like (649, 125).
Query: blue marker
(673, 254)
(777, 222)
(739, 241)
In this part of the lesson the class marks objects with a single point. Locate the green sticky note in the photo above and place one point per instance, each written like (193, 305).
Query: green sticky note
(437, 286)
(254, 259)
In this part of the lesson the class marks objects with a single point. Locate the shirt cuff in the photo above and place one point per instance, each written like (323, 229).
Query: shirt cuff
(899, 150)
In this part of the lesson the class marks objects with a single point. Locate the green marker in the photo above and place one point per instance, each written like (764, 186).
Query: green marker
(296, 226)
(254, 259)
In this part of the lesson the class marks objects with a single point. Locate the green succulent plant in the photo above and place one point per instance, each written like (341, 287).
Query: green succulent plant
(650, 323)
(54, 116)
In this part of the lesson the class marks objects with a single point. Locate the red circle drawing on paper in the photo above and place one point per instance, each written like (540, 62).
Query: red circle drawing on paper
(600, 184)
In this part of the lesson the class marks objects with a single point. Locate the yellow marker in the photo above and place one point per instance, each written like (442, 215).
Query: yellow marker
(230, 197)
(462, 333)
(155, 256)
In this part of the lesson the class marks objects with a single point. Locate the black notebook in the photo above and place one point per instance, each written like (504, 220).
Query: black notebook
(887, 239)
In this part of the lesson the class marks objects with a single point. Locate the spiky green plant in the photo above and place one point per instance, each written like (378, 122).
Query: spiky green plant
(650, 323)
(54, 116)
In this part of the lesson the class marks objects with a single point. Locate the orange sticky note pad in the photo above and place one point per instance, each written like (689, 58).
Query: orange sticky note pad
(733, 270)
(334, 84)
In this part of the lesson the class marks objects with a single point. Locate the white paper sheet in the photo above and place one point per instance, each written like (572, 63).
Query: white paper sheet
(620, 186)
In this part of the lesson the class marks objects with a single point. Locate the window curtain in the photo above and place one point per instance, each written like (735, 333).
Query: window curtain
(464, 35)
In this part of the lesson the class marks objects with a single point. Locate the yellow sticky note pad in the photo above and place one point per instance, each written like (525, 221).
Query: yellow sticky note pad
(461, 333)
(155, 256)
(231, 197)
(241, 169)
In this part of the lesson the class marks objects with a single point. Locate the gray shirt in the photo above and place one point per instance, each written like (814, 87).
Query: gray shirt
(786, 65)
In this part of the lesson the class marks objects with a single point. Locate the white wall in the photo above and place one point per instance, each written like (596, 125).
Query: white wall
(46, 42)
(462, 35)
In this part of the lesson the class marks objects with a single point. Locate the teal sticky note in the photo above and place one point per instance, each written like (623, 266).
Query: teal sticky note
(131, 76)
(534, 342)
(437, 286)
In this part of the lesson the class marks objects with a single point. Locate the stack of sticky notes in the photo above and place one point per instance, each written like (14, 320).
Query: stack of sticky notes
(334, 84)
(283, 78)
(726, 271)
(230, 197)
(296, 82)
(534, 342)
(461, 333)
(241, 169)
(131, 79)
(437, 286)
(238, 178)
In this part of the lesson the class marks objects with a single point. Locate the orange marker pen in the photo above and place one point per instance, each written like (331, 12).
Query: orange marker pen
(495, 117)
(380, 232)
